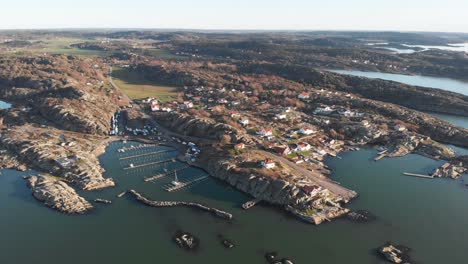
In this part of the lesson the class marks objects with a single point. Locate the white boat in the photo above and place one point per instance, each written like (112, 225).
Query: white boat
(131, 165)
(175, 182)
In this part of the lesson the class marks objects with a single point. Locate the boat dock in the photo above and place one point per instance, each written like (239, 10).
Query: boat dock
(250, 204)
(381, 156)
(184, 184)
(161, 175)
(149, 164)
(148, 154)
(418, 175)
(139, 147)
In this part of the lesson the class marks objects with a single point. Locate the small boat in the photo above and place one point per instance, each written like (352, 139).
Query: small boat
(175, 182)
(102, 201)
(131, 165)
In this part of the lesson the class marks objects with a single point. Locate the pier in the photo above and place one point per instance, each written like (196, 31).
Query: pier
(418, 175)
(181, 185)
(161, 175)
(150, 164)
(215, 211)
(381, 156)
(148, 154)
(139, 147)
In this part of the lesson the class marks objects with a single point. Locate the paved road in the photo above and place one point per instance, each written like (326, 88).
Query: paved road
(316, 177)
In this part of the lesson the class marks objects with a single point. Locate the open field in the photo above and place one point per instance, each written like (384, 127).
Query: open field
(60, 46)
(161, 54)
(137, 86)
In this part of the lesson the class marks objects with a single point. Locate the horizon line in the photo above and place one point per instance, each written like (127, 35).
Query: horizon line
(224, 30)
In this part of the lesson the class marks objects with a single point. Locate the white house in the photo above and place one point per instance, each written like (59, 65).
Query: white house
(266, 132)
(400, 128)
(268, 164)
(280, 116)
(244, 122)
(307, 131)
(302, 146)
(303, 96)
(155, 105)
(323, 110)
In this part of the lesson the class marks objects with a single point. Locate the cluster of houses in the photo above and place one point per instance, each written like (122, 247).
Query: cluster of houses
(336, 111)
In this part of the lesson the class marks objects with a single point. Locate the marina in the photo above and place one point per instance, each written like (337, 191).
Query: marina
(177, 185)
(255, 230)
(165, 174)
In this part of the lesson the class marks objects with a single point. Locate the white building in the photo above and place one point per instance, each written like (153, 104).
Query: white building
(244, 122)
(268, 164)
(307, 131)
(400, 128)
(265, 132)
(303, 96)
(280, 116)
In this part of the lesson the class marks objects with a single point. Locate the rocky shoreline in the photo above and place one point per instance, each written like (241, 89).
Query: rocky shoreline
(57, 194)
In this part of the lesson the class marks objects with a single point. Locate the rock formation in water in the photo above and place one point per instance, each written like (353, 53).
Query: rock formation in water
(58, 195)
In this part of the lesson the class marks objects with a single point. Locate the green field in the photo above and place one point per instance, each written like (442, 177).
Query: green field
(62, 46)
(136, 86)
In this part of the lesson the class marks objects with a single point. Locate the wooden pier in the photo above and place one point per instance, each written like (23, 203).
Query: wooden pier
(148, 154)
(181, 185)
(150, 164)
(381, 156)
(139, 147)
(161, 175)
(418, 175)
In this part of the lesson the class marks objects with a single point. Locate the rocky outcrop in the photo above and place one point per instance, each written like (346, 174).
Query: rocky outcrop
(50, 150)
(452, 170)
(186, 240)
(311, 207)
(58, 195)
(395, 254)
(193, 126)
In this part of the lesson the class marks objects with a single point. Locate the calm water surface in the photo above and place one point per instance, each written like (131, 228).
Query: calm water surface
(417, 212)
(425, 81)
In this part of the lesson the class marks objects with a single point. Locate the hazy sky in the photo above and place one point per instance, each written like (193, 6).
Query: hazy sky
(408, 15)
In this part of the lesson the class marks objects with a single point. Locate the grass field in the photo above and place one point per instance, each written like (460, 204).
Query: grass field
(137, 86)
(62, 46)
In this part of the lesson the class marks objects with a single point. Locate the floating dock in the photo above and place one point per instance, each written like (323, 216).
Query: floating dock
(418, 175)
(147, 154)
(149, 164)
(161, 175)
(181, 185)
(381, 156)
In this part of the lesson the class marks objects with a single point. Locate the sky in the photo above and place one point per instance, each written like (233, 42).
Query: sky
(398, 15)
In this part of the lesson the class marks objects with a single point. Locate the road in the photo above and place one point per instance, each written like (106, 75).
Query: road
(316, 177)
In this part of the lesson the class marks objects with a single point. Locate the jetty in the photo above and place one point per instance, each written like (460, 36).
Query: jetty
(161, 175)
(183, 184)
(148, 154)
(249, 204)
(418, 175)
(215, 211)
(139, 147)
(149, 164)
(381, 156)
